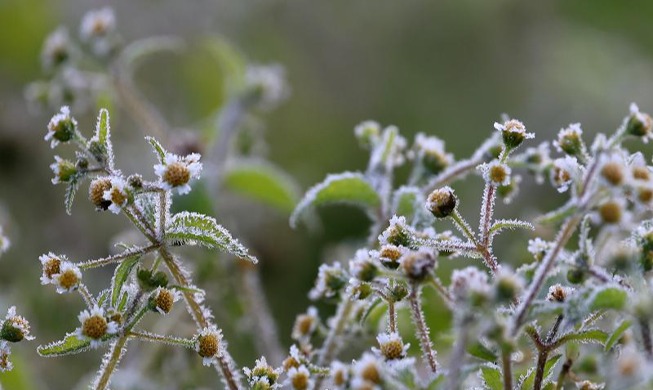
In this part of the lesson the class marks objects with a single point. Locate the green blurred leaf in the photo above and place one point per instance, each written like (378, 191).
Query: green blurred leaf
(345, 188)
(406, 201)
(480, 351)
(230, 61)
(587, 336)
(616, 335)
(492, 378)
(264, 182)
(120, 277)
(194, 228)
(134, 53)
(102, 128)
(609, 298)
(71, 190)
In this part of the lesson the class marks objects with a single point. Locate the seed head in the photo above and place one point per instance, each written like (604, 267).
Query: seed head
(441, 202)
(418, 265)
(96, 193)
(15, 328)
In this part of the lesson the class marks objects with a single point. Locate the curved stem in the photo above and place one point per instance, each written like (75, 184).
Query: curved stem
(421, 327)
(109, 365)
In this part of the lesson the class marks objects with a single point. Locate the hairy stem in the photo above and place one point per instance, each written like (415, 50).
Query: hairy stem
(109, 365)
(458, 354)
(566, 368)
(421, 327)
(507, 369)
(325, 354)
(646, 337)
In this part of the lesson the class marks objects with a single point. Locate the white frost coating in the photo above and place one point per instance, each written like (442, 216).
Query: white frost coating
(314, 191)
(107, 142)
(194, 228)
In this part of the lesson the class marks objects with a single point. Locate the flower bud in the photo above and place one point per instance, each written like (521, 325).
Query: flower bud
(61, 128)
(96, 193)
(418, 265)
(569, 140)
(15, 328)
(368, 133)
(441, 202)
(639, 124)
(513, 133)
(64, 170)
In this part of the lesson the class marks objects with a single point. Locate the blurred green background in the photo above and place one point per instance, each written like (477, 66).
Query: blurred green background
(448, 68)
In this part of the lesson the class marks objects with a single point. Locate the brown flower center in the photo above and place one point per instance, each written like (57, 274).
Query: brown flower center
(208, 345)
(52, 267)
(176, 174)
(95, 327)
(68, 279)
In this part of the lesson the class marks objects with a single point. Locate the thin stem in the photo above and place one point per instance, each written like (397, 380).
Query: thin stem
(325, 354)
(487, 208)
(544, 354)
(442, 291)
(507, 370)
(86, 295)
(463, 226)
(458, 354)
(423, 332)
(646, 337)
(141, 225)
(542, 272)
(157, 338)
(449, 174)
(392, 317)
(116, 258)
(225, 363)
(117, 350)
(566, 368)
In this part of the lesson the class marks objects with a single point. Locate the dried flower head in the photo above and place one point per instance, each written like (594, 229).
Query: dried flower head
(118, 195)
(305, 325)
(15, 328)
(441, 202)
(176, 172)
(262, 376)
(391, 346)
(418, 265)
(397, 233)
(513, 133)
(331, 279)
(207, 344)
(5, 351)
(299, 378)
(496, 173)
(559, 293)
(61, 128)
(164, 299)
(96, 191)
(389, 255)
(95, 326)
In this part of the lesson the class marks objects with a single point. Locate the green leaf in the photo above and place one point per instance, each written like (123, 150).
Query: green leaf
(264, 182)
(71, 190)
(609, 298)
(68, 346)
(558, 214)
(230, 61)
(512, 224)
(527, 384)
(492, 378)
(120, 277)
(587, 336)
(102, 128)
(344, 188)
(102, 297)
(616, 335)
(480, 351)
(407, 201)
(368, 310)
(158, 149)
(194, 228)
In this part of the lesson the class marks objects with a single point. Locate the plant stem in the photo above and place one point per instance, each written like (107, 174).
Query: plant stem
(197, 312)
(646, 337)
(421, 327)
(116, 258)
(544, 354)
(110, 364)
(458, 354)
(563, 373)
(507, 370)
(157, 338)
(325, 354)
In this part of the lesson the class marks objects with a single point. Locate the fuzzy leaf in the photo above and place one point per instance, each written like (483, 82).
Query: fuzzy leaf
(492, 378)
(480, 351)
(348, 188)
(587, 336)
(158, 149)
(70, 345)
(558, 214)
(527, 383)
(71, 190)
(609, 298)
(102, 128)
(503, 224)
(264, 182)
(120, 277)
(230, 61)
(194, 228)
(616, 335)
(407, 201)
(102, 297)
(368, 310)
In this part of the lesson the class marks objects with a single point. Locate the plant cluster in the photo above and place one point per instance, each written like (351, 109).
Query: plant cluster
(577, 314)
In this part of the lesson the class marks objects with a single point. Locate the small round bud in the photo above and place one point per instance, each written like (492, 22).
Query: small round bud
(95, 326)
(569, 140)
(398, 292)
(496, 173)
(441, 202)
(331, 279)
(149, 281)
(368, 133)
(397, 233)
(508, 285)
(61, 128)
(513, 133)
(576, 275)
(15, 328)
(135, 181)
(207, 344)
(82, 163)
(358, 289)
(418, 265)
(64, 170)
(96, 193)
(639, 124)
(363, 267)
